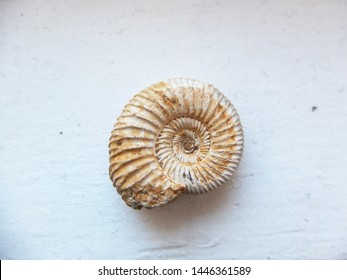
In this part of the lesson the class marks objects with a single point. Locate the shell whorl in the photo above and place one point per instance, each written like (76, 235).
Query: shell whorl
(176, 136)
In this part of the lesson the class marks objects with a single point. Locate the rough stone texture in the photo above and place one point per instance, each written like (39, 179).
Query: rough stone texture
(174, 136)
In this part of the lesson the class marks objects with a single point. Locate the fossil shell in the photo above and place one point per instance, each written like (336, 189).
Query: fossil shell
(177, 136)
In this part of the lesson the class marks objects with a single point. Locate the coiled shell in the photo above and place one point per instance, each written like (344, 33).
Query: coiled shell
(177, 136)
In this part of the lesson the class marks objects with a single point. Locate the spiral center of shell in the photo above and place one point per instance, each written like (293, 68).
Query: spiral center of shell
(189, 142)
(183, 143)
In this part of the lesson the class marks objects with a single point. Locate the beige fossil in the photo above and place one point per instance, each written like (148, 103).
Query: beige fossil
(177, 136)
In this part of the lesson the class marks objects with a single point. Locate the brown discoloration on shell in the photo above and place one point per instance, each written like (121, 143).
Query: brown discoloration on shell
(174, 100)
(117, 139)
(153, 128)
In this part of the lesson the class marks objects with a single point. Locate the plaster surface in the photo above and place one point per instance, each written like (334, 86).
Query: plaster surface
(67, 68)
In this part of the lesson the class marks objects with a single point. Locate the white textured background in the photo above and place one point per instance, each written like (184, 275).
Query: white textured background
(67, 68)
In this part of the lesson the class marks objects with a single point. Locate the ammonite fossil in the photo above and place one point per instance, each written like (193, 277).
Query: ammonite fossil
(177, 136)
